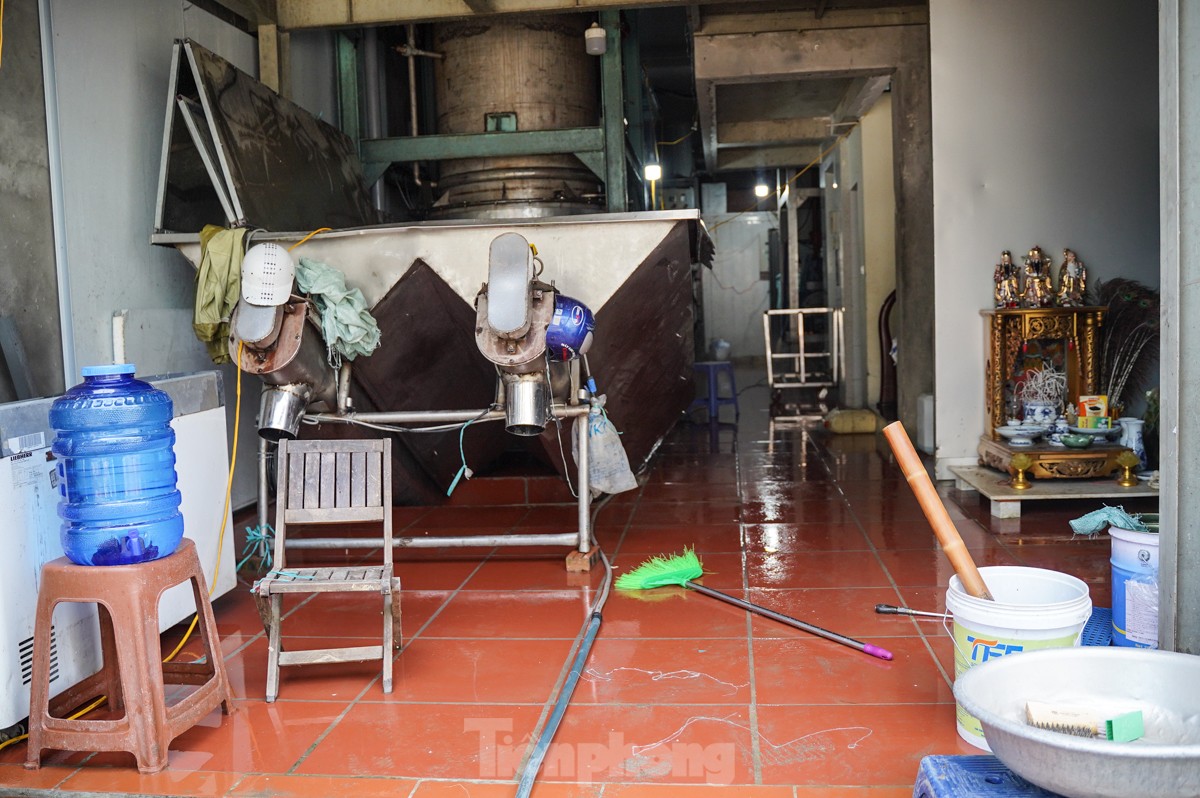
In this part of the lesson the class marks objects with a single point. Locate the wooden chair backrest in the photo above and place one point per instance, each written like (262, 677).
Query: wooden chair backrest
(333, 482)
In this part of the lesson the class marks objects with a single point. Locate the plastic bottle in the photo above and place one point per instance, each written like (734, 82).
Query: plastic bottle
(116, 469)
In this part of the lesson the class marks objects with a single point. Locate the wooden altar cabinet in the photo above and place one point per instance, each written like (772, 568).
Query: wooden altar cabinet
(1009, 333)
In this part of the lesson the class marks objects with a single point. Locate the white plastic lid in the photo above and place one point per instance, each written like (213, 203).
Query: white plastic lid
(109, 370)
(267, 275)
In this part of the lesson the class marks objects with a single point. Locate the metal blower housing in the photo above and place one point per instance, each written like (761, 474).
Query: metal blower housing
(522, 325)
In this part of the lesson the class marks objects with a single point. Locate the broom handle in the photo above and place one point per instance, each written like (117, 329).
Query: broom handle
(866, 648)
(935, 511)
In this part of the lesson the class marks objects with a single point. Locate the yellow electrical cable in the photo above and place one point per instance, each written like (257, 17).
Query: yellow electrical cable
(237, 422)
(237, 419)
(1, 55)
(676, 141)
(301, 241)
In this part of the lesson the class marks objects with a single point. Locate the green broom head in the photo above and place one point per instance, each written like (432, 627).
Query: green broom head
(662, 571)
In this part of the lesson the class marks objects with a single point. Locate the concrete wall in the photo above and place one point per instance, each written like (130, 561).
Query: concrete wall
(1044, 132)
(28, 284)
(112, 64)
(879, 229)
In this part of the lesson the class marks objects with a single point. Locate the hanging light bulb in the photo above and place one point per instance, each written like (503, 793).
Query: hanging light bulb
(595, 40)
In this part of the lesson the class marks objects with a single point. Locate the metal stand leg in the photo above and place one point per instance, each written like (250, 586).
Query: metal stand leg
(586, 556)
(263, 498)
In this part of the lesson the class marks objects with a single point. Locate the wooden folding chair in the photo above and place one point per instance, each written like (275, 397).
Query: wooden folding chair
(331, 482)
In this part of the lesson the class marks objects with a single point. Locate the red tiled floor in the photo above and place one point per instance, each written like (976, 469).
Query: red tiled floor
(798, 538)
(486, 671)
(530, 613)
(454, 741)
(682, 696)
(848, 611)
(671, 612)
(811, 671)
(173, 781)
(321, 787)
(682, 744)
(815, 569)
(855, 745)
(642, 671)
(674, 538)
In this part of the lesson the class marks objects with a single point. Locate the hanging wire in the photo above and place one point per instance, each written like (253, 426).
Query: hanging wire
(310, 235)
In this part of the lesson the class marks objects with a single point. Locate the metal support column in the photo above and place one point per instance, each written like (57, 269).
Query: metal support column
(347, 66)
(614, 116)
(641, 142)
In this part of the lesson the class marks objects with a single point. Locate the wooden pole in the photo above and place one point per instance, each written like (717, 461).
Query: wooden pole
(935, 511)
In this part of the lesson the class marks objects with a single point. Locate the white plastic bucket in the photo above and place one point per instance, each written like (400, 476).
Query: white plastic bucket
(1034, 609)
(1134, 587)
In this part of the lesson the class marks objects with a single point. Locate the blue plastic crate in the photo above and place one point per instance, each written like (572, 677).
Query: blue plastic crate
(972, 777)
(1098, 631)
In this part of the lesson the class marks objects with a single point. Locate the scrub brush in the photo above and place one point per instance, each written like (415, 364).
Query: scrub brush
(681, 569)
(1082, 722)
(1076, 721)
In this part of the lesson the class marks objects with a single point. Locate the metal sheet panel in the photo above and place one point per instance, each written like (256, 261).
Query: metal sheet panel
(281, 167)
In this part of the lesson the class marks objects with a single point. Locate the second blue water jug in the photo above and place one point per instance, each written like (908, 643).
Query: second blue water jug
(116, 469)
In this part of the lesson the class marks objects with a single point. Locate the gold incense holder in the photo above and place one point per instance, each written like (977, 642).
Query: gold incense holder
(1021, 463)
(1127, 461)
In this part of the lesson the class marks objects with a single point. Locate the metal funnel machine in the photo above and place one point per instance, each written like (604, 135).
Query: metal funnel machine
(235, 163)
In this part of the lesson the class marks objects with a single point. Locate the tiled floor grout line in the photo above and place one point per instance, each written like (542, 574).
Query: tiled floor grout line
(755, 746)
(370, 684)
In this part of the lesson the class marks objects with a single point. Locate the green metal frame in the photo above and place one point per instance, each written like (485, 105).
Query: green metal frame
(347, 62)
(601, 149)
(613, 103)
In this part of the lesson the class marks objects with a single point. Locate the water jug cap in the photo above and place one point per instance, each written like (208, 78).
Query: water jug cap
(109, 370)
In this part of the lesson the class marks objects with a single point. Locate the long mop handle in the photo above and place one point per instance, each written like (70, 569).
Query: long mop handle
(866, 648)
(935, 511)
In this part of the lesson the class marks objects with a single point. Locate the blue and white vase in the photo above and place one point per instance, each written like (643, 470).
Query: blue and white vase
(1131, 438)
(1061, 428)
(1041, 413)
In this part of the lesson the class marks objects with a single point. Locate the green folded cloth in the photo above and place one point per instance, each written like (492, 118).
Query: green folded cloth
(349, 328)
(1099, 520)
(218, 288)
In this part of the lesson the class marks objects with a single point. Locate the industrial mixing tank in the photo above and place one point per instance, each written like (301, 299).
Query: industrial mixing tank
(507, 74)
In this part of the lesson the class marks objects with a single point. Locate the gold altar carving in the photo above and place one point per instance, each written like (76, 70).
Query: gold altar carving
(1053, 462)
(1010, 329)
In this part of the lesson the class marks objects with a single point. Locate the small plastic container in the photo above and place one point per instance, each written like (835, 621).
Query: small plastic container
(116, 469)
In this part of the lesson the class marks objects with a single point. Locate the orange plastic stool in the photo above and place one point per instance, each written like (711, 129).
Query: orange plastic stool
(133, 675)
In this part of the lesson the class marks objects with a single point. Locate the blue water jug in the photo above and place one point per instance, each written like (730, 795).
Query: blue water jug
(116, 469)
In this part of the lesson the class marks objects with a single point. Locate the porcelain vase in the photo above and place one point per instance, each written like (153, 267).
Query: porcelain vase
(1041, 413)
(1131, 438)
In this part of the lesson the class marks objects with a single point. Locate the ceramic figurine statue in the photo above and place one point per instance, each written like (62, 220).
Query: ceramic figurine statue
(1007, 293)
(1038, 291)
(1072, 281)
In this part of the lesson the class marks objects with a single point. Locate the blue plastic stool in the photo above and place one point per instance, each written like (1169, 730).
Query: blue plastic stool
(712, 369)
(980, 776)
